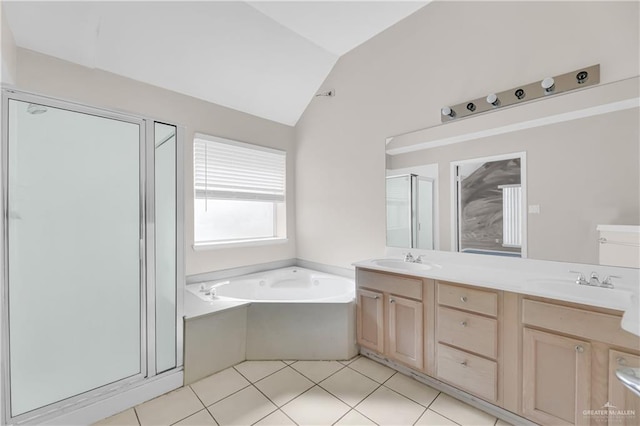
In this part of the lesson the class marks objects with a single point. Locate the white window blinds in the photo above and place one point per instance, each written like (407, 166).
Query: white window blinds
(229, 170)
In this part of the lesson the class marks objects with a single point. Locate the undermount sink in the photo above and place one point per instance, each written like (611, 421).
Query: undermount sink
(401, 264)
(565, 289)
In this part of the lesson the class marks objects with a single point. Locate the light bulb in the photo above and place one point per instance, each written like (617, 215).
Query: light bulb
(548, 84)
(448, 112)
(493, 99)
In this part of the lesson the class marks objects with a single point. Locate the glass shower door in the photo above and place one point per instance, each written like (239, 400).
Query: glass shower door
(74, 252)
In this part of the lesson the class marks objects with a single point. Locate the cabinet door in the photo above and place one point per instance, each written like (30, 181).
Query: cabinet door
(556, 375)
(370, 330)
(624, 401)
(405, 331)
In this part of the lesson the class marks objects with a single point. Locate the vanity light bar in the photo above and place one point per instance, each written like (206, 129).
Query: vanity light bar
(549, 86)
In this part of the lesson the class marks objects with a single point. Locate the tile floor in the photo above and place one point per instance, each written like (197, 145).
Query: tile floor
(355, 392)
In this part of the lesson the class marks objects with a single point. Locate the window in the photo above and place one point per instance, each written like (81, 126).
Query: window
(239, 192)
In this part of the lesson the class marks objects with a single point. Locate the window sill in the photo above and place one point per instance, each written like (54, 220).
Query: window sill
(243, 243)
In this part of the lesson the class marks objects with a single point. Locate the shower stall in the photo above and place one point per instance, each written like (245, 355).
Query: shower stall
(92, 254)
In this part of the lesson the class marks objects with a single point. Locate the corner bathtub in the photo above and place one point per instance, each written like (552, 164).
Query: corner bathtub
(294, 313)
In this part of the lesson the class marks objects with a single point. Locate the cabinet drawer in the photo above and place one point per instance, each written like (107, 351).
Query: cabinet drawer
(483, 302)
(468, 331)
(394, 284)
(578, 322)
(468, 372)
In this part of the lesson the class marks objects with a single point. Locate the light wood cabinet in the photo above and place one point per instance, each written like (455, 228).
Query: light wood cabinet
(370, 320)
(556, 372)
(622, 401)
(550, 361)
(405, 330)
(467, 332)
(390, 317)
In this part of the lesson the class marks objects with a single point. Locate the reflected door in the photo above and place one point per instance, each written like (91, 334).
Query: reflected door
(74, 253)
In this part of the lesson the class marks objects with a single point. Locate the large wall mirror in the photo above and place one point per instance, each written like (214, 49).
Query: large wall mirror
(556, 179)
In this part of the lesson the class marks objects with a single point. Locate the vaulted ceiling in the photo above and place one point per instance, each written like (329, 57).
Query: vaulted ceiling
(263, 58)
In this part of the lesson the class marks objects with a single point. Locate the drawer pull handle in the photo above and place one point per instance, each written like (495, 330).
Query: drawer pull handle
(463, 323)
(376, 297)
(392, 301)
(463, 299)
(621, 361)
(463, 363)
(579, 349)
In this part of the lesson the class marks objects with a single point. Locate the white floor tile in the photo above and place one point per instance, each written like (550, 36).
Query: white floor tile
(317, 370)
(315, 407)
(372, 369)
(170, 408)
(460, 412)
(501, 422)
(201, 418)
(126, 418)
(284, 385)
(412, 389)
(349, 386)
(386, 407)
(289, 361)
(431, 418)
(353, 418)
(277, 418)
(220, 385)
(349, 361)
(242, 408)
(256, 370)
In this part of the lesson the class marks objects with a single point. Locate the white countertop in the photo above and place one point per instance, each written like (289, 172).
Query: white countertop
(531, 277)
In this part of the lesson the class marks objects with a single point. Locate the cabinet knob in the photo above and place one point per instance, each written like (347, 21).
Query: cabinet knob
(463, 323)
(621, 361)
(579, 349)
(463, 363)
(392, 301)
(376, 297)
(463, 298)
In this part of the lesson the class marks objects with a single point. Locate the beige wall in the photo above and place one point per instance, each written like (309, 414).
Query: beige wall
(581, 173)
(53, 77)
(397, 82)
(7, 52)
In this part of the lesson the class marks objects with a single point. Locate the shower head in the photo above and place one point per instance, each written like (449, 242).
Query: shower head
(36, 109)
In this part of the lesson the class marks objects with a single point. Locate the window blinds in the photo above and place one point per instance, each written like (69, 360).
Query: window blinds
(229, 170)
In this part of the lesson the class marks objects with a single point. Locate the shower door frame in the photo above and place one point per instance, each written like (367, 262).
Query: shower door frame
(146, 255)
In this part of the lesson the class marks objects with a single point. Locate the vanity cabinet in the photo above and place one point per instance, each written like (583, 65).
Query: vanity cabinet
(556, 378)
(569, 356)
(370, 320)
(619, 396)
(550, 361)
(390, 316)
(467, 339)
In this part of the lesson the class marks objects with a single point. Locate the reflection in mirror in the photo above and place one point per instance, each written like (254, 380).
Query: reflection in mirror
(580, 201)
(410, 220)
(489, 206)
(166, 261)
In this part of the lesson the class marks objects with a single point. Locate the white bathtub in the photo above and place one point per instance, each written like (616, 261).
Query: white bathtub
(295, 313)
(293, 285)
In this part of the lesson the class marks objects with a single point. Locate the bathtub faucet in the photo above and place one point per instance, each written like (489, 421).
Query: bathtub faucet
(211, 290)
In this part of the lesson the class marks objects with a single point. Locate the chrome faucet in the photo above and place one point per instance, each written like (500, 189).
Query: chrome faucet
(580, 279)
(419, 259)
(594, 280)
(409, 257)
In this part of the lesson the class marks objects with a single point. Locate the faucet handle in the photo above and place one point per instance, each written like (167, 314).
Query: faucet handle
(419, 259)
(606, 281)
(408, 257)
(580, 279)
